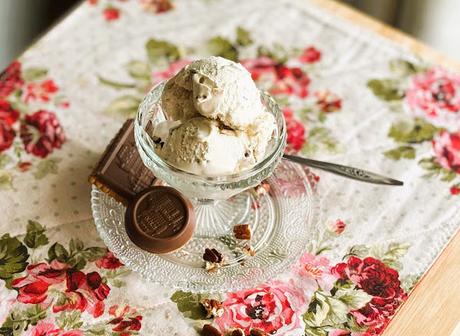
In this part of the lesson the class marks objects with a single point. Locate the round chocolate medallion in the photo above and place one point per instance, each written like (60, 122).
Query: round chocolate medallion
(160, 220)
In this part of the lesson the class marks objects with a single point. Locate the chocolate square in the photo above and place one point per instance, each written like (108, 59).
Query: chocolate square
(120, 172)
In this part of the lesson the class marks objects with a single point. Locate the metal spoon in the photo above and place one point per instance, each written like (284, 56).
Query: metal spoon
(350, 172)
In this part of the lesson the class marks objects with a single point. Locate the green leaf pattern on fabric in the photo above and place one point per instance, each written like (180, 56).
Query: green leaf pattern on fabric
(401, 152)
(386, 89)
(35, 236)
(320, 138)
(189, 304)
(6, 180)
(412, 132)
(34, 74)
(220, 46)
(13, 256)
(76, 255)
(46, 167)
(5, 159)
(124, 106)
(276, 52)
(404, 68)
(20, 320)
(160, 50)
(139, 70)
(353, 298)
(69, 320)
(243, 37)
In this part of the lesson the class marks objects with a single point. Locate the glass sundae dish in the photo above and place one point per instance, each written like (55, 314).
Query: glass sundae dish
(211, 150)
(187, 133)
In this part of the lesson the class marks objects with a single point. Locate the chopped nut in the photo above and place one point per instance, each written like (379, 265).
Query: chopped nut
(242, 231)
(235, 332)
(213, 258)
(209, 330)
(212, 255)
(213, 308)
(257, 332)
(263, 188)
(249, 250)
(212, 267)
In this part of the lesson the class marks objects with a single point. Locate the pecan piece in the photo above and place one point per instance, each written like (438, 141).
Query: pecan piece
(235, 332)
(213, 308)
(212, 255)
(209, 330)
(242, 231)
(213, 258)
(249, 250)
(257, 332)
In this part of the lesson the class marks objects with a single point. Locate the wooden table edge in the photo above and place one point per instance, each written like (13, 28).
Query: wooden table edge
(408, 321)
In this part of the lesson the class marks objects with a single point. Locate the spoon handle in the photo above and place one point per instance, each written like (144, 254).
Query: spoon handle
(350, 172)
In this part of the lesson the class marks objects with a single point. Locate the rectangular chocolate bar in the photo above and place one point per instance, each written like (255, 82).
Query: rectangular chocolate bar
(120, 171)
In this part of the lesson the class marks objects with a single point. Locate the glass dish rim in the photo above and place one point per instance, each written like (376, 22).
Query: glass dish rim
(135, 262)
(140, 133)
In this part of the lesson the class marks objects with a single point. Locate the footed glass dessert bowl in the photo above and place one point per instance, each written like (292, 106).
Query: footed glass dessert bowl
(219, 202)
(282, 215)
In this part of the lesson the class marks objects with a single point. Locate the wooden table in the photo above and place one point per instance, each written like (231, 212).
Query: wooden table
(432, 307)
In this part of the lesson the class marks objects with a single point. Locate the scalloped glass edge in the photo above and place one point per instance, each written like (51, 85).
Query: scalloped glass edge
(164, 272)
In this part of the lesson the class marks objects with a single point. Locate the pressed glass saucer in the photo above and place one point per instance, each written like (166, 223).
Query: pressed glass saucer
(282, 223)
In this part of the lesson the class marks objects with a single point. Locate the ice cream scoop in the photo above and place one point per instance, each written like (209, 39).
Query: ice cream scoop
(218, 89)
(177, 102)
(216, 122)
(260, 133)
(201, 147)
(224, 90)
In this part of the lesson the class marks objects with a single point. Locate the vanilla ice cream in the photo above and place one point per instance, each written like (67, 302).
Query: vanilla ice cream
(177, 102)
(201, 147)
(216, 88)
(216, 122)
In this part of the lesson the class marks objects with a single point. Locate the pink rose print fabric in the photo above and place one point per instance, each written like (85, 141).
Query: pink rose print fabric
(435, 95)
(125, 319)
(29, 127)
(281, 79)
(431, 96)
(314, 296)
(50, 133)
(315, 272)
(47, 327)
(54, 296)
(43, 91)
(296, 130)
(356, 297)
(271, 307)
(172, 69)
(379, 281)
(446, 147)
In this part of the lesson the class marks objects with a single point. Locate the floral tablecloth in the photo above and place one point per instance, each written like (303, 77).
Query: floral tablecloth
(348, 96)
